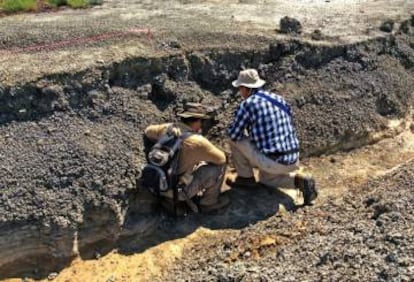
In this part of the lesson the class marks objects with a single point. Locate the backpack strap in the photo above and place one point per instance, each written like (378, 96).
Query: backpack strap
(188, 201)
(176, 189)
(276, 103)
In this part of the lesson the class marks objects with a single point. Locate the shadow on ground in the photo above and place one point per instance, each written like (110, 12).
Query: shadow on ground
(247, 206)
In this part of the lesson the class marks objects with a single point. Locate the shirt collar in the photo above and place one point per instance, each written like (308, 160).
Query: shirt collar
(184, 127)
(256, 90)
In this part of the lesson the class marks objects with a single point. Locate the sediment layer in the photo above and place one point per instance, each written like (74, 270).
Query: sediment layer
(71, 143)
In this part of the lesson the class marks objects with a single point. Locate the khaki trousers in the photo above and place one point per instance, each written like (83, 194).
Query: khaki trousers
(206, 181)
(271, 173)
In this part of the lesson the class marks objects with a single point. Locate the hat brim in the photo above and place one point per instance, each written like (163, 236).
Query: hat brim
(258, 84)
(193, 115)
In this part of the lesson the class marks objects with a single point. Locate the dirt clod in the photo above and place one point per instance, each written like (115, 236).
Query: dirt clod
(290, 25)
(387, 26)
(317, 35)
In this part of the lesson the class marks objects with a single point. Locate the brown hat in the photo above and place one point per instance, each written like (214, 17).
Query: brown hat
(194, 110)
(249, 78)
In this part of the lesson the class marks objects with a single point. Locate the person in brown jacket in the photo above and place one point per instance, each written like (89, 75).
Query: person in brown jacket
(201, 165)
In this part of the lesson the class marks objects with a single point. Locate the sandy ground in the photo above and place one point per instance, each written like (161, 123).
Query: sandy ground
(65, 45)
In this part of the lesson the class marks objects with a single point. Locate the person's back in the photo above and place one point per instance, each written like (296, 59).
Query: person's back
(194, 149)
(270, 127)
(201, 165)
(270, 145)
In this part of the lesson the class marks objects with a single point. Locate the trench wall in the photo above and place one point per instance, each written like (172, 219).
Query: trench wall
(71, 143)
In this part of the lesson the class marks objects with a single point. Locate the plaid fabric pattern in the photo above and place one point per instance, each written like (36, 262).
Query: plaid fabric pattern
(269, 128)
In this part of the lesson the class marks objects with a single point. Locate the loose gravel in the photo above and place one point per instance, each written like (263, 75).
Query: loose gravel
(366, 236)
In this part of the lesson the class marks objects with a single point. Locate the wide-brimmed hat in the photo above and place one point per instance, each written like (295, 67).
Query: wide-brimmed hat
(249, 78)
(194, 110)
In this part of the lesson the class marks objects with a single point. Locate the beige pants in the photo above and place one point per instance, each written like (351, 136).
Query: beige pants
(271, 173)
(206, 181)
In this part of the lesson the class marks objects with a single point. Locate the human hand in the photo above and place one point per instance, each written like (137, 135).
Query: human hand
(174, 131)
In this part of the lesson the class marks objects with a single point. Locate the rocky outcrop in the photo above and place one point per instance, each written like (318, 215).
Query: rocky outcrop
(71, 143)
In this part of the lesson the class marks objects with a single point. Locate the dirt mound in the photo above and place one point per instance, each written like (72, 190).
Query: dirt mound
(290, 25)
(367, 235)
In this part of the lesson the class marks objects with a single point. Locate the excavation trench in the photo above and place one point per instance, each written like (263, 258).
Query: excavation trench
(336, 173)
(71, 146)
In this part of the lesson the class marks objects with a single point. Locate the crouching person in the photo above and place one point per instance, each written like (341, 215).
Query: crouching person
(199, 165)
(263, 136)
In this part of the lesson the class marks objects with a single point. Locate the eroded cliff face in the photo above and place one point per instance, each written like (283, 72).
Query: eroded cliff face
(71, 143)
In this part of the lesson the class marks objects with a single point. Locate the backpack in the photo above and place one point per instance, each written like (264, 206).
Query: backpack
(160, 173)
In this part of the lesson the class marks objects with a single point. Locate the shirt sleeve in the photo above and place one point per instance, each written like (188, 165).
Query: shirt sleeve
(154, 132)
(210, 153)
(240, 123)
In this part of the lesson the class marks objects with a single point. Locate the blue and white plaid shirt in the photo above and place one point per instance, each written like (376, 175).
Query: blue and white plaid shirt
(269, 128)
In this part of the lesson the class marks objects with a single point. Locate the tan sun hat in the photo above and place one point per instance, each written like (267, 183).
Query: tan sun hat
(249, 78)
(195, 110)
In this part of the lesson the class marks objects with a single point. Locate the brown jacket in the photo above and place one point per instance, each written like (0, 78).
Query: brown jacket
(195, 148)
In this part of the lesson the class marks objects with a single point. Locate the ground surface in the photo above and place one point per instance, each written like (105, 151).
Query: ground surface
(191, 24)
(249, 253)
(88, 152)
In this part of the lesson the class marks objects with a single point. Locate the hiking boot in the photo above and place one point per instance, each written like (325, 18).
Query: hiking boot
(307, 185)
(223, 201)
(243, 182)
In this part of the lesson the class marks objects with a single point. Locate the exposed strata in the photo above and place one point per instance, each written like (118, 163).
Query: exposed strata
(71, 146)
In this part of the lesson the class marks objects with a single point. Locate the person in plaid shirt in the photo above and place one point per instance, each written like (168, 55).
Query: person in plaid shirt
(263, 136)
